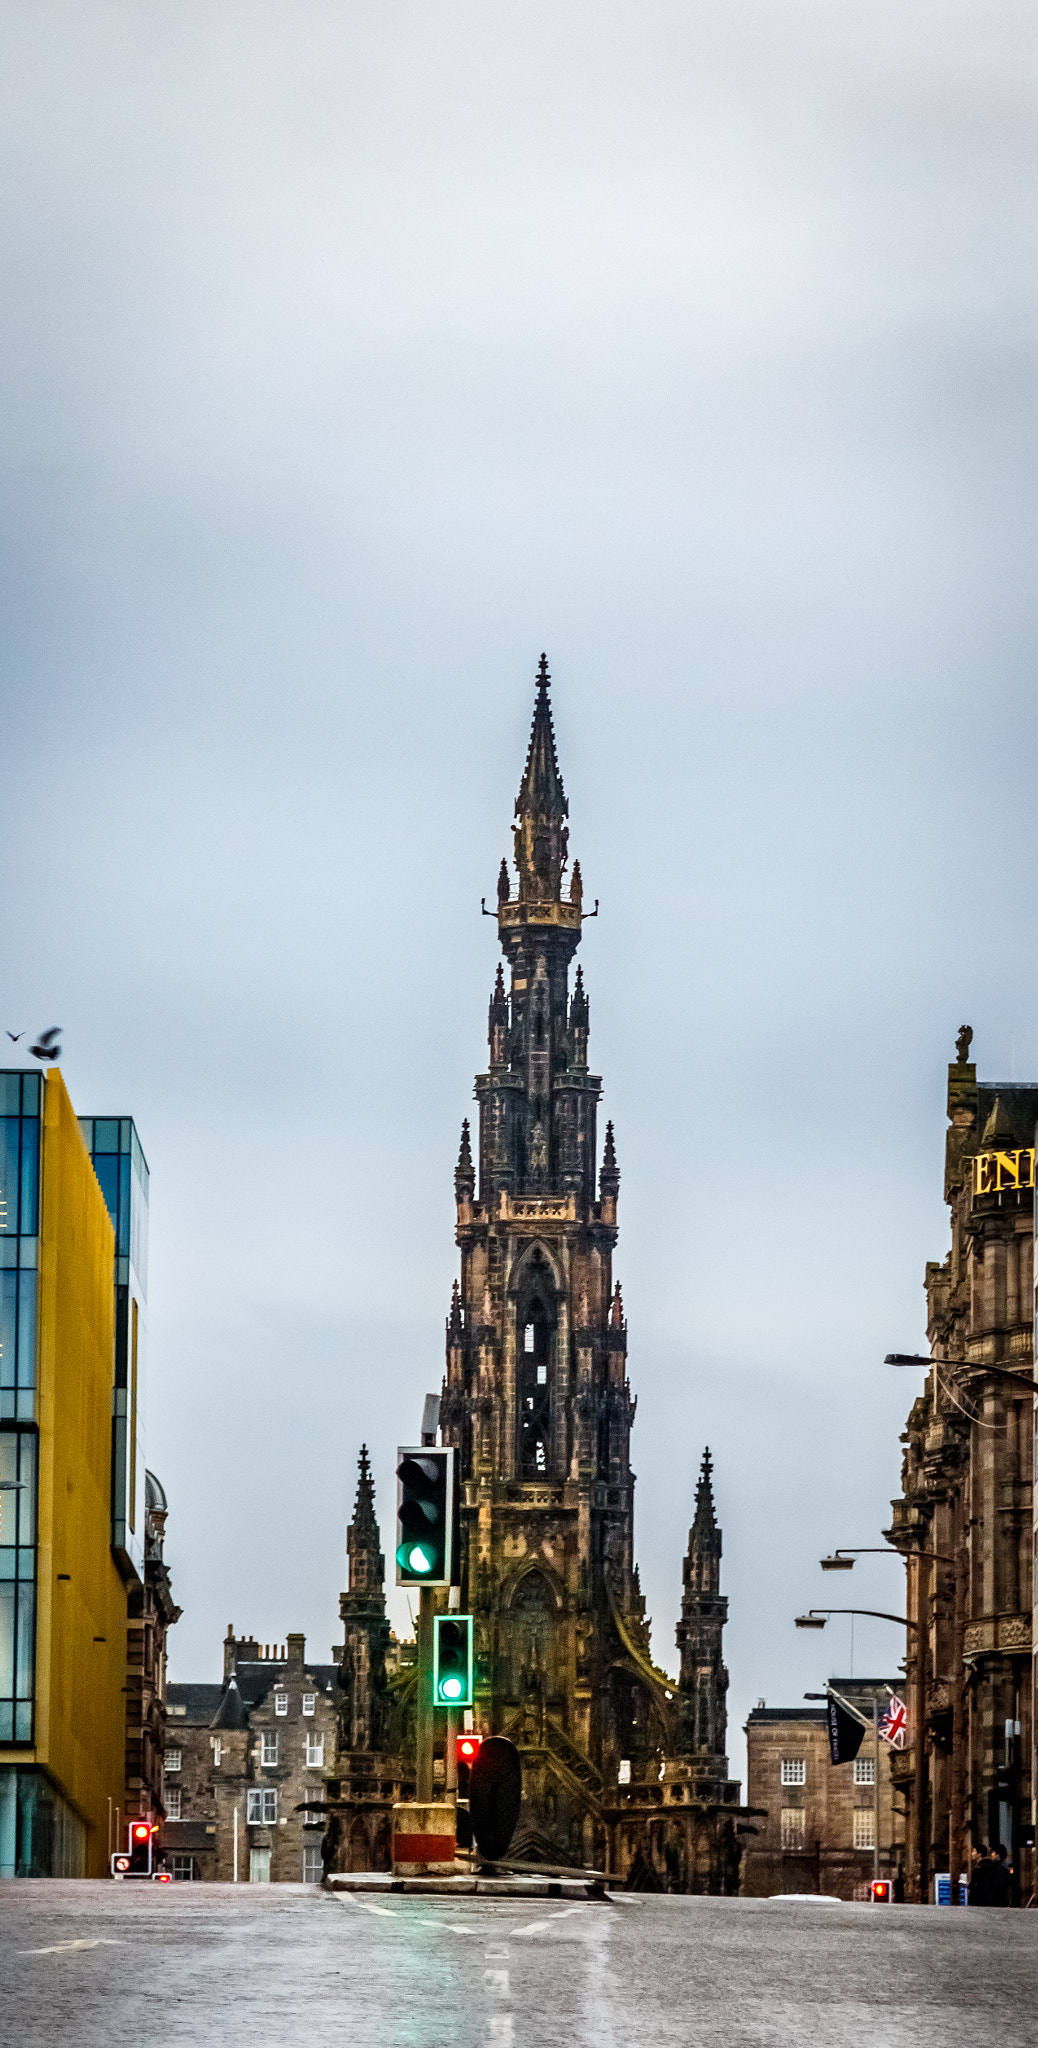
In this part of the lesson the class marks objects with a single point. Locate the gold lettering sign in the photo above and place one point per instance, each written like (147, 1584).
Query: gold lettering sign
(998, 1173)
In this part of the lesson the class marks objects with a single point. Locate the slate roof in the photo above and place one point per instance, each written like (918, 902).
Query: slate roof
(203, 1703)
(1017, 1112)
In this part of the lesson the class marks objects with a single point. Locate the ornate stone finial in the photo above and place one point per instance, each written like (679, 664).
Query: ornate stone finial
(464, 1172)
(576, 886)
(616, 1311)
(454, 1322)
(609, 1176)
(963, 1043)
(504, 887)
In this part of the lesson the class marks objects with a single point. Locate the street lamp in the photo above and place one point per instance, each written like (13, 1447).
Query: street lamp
(999, 1372)
(816, 1617)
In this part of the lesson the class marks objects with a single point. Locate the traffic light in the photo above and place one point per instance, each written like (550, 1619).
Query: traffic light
(140, 1848)
(452, 1660)
(881, 1891)
(424, 1516)
(466, 1752)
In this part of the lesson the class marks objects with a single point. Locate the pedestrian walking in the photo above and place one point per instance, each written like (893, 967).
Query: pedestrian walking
(980, 1876)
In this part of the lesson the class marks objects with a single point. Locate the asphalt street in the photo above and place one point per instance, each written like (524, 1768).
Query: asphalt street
(93, 1965)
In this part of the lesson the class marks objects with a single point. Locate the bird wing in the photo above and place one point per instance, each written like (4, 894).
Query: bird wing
(48, 1037)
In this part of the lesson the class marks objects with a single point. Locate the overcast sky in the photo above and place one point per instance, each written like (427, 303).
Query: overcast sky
(351, 355)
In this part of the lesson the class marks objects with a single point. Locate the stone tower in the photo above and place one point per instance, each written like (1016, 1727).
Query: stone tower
(536, 1397)
(363, 1610)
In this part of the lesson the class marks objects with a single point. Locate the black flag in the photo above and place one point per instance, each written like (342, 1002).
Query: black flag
(845, 1734)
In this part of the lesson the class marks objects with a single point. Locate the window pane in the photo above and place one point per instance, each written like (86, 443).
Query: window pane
(28, 1222)
(8, 1326)
(864, 1828)
(26, 1328)
(26, 1625)
(7, 1595)
(9, 1127)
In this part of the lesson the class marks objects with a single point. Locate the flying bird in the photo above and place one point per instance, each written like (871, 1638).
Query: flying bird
(45, 1048)
(14, 1036)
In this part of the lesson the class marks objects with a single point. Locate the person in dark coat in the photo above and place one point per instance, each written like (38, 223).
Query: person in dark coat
(980, 1879)
(1001, 1879)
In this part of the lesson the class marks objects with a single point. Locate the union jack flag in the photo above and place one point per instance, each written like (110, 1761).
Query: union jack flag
(893, 1723)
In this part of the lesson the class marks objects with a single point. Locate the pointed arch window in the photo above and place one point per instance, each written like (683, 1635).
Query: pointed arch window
(534, 1377)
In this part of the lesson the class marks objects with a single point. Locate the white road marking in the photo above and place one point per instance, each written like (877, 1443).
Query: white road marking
(61, 1948)
(497, 1980)
(538, 1926)
(365, 1906)
(501, 2027)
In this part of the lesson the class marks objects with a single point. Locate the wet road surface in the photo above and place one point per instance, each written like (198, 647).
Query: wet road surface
(102, 1965)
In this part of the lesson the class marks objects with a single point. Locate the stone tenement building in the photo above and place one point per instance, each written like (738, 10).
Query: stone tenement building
(152, 1611)
(624, 1767)
(247, 1766)
(819, 1830)
(967, 1492)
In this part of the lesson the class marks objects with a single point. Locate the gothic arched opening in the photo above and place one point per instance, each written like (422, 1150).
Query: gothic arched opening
(535, 1345)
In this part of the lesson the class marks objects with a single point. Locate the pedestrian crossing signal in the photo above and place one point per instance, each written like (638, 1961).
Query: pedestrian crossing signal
(880, 1889)
(452, 1660)
(424, 1516)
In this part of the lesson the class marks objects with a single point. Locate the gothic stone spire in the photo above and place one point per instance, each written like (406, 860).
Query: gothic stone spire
(704, 1680)
(541, 837)
(367, 1566)
(363, 1611)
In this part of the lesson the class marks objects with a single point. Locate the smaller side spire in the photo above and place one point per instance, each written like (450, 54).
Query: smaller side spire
(367, 1568)
(704, 1535)
(609, 1179)
(497, 1030)
(616, 1309)
(578, 1023)
(464, 1174)
(455, 1328)
(504, 886)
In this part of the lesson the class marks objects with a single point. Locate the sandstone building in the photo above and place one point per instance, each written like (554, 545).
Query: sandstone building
(964, 1518)
(247, 1765)
(816, 1821)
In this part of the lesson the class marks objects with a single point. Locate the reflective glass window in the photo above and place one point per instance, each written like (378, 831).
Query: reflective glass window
(17, 1583)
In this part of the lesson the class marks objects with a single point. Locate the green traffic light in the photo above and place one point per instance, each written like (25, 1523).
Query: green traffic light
(418, 1561)
(452, 1660)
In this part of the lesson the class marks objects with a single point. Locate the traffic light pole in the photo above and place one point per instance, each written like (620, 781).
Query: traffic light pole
(424, 1717)
(450, 1782)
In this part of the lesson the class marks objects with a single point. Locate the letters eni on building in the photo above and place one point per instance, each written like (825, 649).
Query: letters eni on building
(994, 1173)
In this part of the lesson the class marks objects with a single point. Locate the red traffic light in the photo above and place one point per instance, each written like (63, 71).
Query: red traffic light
(881, 1891)
(165, 1876)
(468, 1747)
(140, 1831)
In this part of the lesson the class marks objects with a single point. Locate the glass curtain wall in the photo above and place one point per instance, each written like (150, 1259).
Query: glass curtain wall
(122, 1174)
(20, 1107)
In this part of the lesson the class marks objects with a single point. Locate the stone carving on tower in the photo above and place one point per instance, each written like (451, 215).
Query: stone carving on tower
(623, 1767)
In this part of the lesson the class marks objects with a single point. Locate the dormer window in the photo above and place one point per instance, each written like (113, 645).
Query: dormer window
(281, 1703)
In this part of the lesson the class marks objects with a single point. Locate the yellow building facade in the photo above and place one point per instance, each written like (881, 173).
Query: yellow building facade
(62, 1599)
